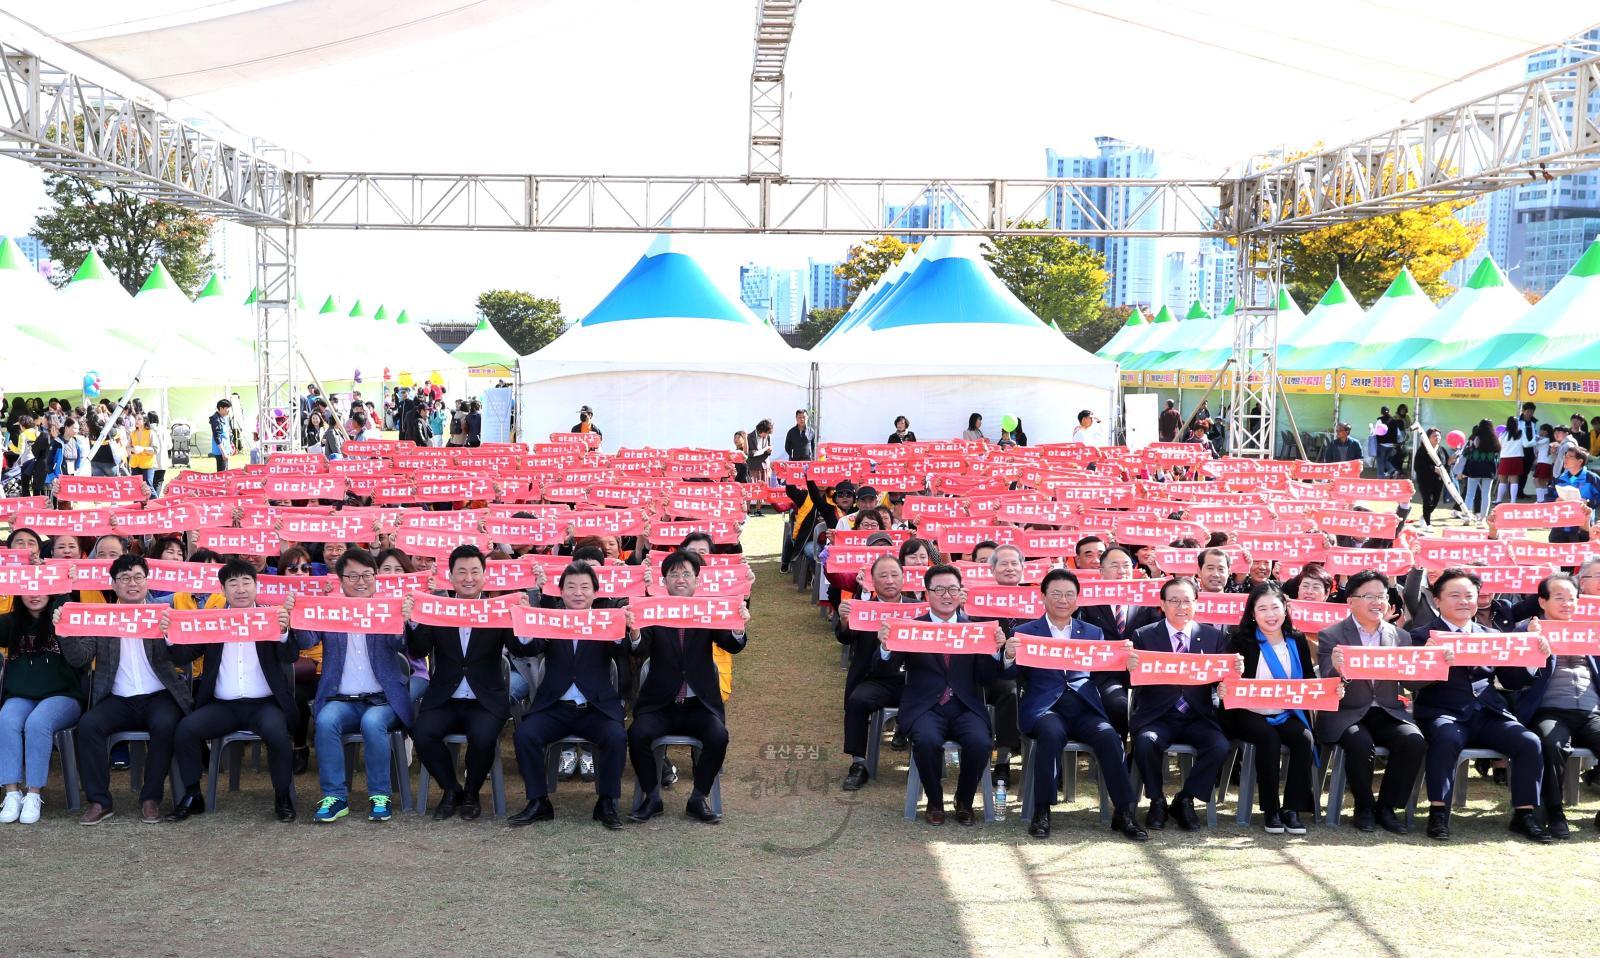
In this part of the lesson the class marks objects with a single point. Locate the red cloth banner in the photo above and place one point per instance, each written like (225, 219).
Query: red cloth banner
(436, 543)
(866, 614)
(339, 527)
(305, 487)
(274, 589)
(1043, 512)
(1571, 638)
(722, 531)
(183, 576)
(1047, 543)
(1187, 561)
(156, 518)
(1310, 695)
(1373, 490)
(1350, 468)
(1219, 608)
(1492, 649)
(697, 507)
(452, 490)
(117, 621)
(200, 626)
(953, 638)
(1435, 553)
(91, 573)
(402, 584)
(1533, 552)
(611, 522)
(1140, 592)
(1078, 655)
(1283, 547)
(15, 557)
(1515, 579)
(371, 447)
(960, 539)
(532, 532)
(975, 574)
(1342, 561)
(295, 463)
(1159, 531)
(853, 537)
(449, 520)
(377, 615)
(1541, 515)
(101, 489)
(1182, 668)
(51, 578)
(616, 581)
(1360, 525)
(77, 522)
(1420, 663)
(695, 612)
(11, 505)
(1313, 617)
(599, 625)
(500, 575)
(1004, 602)
(231, 541)
(848, 560)
(450, 612)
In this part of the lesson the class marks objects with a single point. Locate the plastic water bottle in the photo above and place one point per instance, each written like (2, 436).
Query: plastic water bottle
(1000, 801)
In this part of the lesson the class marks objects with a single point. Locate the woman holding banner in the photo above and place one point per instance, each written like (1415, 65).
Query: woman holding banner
(1273, 649)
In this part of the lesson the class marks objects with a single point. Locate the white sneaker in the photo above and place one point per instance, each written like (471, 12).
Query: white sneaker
(10, 808)
(568, 765)
(31, 803)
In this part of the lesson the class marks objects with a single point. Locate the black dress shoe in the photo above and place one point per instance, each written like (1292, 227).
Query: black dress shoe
(283, 807)
(302, 760)
(651, 808)
(469, 809)
(1390, 822)
(856, 777)
(1183, 813)
(538, 810)
(605, 812)
(700, 810)
(897, 741)
(933, 816)
(1274, 823)
(1126, 823)
(1365, 820)
(964, 816)
(1524, 823)
(1292, 823)
(190, 804)
(1438, 821)
(1155, 818)
(447, 805)
(1556, 825)
(1040, 826)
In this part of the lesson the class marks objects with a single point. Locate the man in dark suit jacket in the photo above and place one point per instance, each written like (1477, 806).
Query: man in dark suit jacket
(1560, 701)
(1117, 621)
(681, 695)
(577, 696)
(136, 688)
(871, 683)
(1371, 713)
(1001, 691)
(1466, 711)
(799, 441)
(943, 701)
(1164, 714)
(1061, 704)
(243, 687)
(466, 694)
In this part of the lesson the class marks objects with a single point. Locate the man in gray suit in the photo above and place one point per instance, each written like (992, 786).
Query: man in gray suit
(136, 688)
(1371, 713)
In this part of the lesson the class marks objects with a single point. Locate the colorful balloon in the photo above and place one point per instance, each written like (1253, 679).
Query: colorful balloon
(91, 384)
(1455, 439)
(1379, 429)
(1008, 423)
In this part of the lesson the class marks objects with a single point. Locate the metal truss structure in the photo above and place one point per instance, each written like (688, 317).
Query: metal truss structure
(1544, 127)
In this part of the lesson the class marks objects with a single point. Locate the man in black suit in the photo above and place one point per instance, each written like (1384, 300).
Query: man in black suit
(943, 701)
(466, 695)
(1164, 714)
(798, 443)
(1000, 692)
(1466, 711)
(577, 696)
(871, 683)
(1116, 622)
(244, 686)
(681, 695)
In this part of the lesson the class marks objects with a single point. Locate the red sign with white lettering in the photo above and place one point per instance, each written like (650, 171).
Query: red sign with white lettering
(1492, 649)
(701, 612)
(377, 615)
(1181, 668)
(115, 621)
(1078, 655)
(200, 626)
(1310, 695)
(1424, 663)
(953, 638)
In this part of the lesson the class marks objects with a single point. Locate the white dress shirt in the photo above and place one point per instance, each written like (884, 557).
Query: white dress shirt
(358, 678)
(134, 674)
(239, 676)
(1284, 653)
(464, 690)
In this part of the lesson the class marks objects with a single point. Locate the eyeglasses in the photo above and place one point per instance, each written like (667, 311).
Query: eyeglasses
(131, 578)
(294, 567)
(1178, 602)
(679, 574)
(944, 590)
(1371, 597)
(360, 577)
(1060, 596)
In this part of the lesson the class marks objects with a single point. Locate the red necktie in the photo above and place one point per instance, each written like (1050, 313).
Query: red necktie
(945, 695)
(683, 690)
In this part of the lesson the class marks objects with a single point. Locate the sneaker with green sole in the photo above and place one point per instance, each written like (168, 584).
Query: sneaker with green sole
(380, 809)
(331, 810)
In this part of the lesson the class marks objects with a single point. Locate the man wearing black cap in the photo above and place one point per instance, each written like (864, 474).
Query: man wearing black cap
(586, 422)
(866, 500)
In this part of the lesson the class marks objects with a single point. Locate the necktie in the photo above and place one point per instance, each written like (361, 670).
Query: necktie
(945, 695)
(1122, 619)
(683, 690)
(1180, 643)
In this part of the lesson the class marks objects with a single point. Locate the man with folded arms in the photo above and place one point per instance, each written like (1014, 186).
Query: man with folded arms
(1063, 704)
(943, 700)
(1466, 711)
(244, 687)
(136, 688)
(1371, 713)
(681, 695)
(1165, 714)
(871, 683)
(577, 696)
(364, 687)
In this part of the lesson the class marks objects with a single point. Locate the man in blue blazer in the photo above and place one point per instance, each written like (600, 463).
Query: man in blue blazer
(577, 696)
(1466, 711)
(1164, 714)
(943, 701)
(1062, 704)
(362, 688)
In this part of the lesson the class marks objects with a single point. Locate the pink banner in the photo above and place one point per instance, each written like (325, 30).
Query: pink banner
(1422, 663)
(535, 532)
(339, 527)
(1343, 561)
(1139, 592)
(1360, 525)
(1283, 547)
(1311, 695)
(450, 612)
(438, 544)
(848, 560)
(1373, 490)
(1541, 515)
(866, 615)
(700, 612)
(1492, 649)
(1534, 552)
(199, 626)
(954, 638)
(305, 487)
(231, 541)
(1181, 668)
(51, 578)
(616, 581)
(378, 615)
(1350, 468)
(1159, 532)
(604, 625)
(1514, 579)
(1219, 608)
(113, 621)
(722, 531)
(78, 522)
(101, 489)
(1571, 638)
(1004, 602)
(1079, 655)
(1436, 553)
(1313, 617)
(274, 589)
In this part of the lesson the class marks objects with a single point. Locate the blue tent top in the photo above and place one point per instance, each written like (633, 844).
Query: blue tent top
(952, 284)
(665, 283)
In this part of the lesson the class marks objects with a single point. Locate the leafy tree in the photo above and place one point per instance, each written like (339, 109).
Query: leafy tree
(1063, 282)
(130, 233)
(817, 324)
(1097, 332)
(527, 322)
(870, 260)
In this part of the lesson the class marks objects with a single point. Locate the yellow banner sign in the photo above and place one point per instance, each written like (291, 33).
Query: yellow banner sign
(1160, 380)
(1203, 379)
(1376, 382)
(1467, 384)
(1553, 385)
(1313, 382)
(1132, 377)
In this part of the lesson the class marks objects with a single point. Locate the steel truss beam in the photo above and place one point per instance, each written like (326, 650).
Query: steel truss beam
(66, 123)
(276, 380)
(774, 29)
(1253, 398)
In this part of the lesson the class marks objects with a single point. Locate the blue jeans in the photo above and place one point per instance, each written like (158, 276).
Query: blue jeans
(519, 686)
(28, 729)
(1479, 495)
(337, 719)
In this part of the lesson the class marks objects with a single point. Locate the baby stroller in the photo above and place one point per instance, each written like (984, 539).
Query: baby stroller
(182, 443)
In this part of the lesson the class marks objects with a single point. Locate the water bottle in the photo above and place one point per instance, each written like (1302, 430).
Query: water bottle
(1000, 801)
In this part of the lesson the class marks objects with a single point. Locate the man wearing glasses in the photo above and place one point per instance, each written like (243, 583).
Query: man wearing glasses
(1372, 714)
(363, 688)
(136, 688)
(1183, 714)
(943, 700)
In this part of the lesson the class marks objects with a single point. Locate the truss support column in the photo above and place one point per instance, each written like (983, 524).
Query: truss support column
(276, 295)
(1253, 409)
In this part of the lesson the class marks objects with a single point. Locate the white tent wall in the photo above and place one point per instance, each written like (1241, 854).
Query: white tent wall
(859, 409)
(665, 407)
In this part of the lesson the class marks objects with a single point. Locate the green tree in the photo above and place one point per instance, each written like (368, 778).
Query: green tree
(1063, 282)
(130, 233)
(870, 260)
(527, 322)
(1097, 332)
(817, 324)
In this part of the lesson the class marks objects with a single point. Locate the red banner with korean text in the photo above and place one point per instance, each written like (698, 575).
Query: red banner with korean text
(200, 626)
(1181, 668)
(953, 638)
(701, 612)
(1310, 695)
(377, 615)
(115, 621)
(1493, 649)
(600, 625)
(1420, 663)
(1078, 655)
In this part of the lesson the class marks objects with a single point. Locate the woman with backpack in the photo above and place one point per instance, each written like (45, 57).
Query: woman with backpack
(1479, 460)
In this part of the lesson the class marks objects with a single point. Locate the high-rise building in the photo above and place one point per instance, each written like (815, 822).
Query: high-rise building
(828, 290)
(788, 299)
(925, 214)
(1207, 274)
(1135, 263)
(37, 253)
(233, 253)
(756, 289)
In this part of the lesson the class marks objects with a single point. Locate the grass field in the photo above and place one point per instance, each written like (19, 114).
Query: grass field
(794, 869)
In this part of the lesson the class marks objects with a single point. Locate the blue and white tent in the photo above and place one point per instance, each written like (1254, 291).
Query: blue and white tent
(665, 358)
(945, 339)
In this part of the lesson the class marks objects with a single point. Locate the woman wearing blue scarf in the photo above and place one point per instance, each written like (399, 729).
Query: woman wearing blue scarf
(1273, 649)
